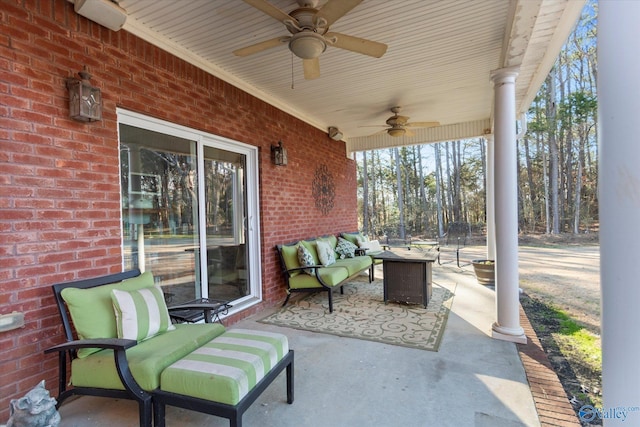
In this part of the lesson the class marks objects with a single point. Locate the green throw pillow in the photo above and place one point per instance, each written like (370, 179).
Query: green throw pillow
(91, 309)
(361, 240)
(352, 237)
(141, 314)
(290, 257)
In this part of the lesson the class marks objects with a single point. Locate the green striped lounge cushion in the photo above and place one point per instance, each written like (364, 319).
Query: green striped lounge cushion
(228, 367)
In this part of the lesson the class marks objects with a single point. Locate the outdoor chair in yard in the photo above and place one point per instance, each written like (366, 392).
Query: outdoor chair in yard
(128, 348)
(456, 236)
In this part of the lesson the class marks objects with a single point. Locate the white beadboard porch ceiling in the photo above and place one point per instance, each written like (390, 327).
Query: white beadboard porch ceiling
(437, 67)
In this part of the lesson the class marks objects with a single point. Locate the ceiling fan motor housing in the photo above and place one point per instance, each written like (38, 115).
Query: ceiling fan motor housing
(306, 19)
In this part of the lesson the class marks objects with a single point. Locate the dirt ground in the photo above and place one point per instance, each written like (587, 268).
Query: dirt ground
(566, 276)
(560, 272)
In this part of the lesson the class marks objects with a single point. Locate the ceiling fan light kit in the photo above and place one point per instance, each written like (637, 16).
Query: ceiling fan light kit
(307, 45)
(396, 132)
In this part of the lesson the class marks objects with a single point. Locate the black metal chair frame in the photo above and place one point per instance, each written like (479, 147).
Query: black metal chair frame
(458, 231)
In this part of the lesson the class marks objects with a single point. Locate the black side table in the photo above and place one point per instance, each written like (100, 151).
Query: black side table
(198, 309)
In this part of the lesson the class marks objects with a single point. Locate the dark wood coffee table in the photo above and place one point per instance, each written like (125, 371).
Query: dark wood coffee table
(407, 275)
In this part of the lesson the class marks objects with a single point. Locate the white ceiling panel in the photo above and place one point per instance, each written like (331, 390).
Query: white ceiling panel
(437, 66)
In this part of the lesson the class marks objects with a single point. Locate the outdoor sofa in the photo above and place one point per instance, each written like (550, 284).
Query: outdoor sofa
(324, 263)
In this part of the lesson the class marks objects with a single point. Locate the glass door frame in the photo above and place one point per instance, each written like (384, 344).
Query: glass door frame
(250, 152)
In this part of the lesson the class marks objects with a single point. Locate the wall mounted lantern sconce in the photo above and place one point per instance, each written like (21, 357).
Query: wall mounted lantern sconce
(85, 101)
(279, 154)
(335, 134)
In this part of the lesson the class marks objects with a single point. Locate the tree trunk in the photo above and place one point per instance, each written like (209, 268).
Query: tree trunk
(457, 166)
(424, 214)
(532, 190)
(576, 205)
(438, 173)
(519, 188)
(553, 152)
(449, 193)
(401, 229)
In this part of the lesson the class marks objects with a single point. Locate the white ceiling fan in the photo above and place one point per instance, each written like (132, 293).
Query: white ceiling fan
(398, 125)
(310, 36)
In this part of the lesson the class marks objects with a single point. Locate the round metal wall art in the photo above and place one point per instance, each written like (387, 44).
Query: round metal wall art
(324, 190)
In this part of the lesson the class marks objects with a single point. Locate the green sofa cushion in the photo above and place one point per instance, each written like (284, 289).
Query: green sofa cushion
(311, 247)
(353, 237)
(146, 360)
(333, 240)
(354, 264)
(92, 310)
(304, 281)
(331, 276)
(290, 256)
(227, 368)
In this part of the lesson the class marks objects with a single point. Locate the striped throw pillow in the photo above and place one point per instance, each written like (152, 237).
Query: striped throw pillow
(140, 314)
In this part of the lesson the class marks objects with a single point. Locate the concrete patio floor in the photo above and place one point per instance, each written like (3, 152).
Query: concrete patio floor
(473, 380)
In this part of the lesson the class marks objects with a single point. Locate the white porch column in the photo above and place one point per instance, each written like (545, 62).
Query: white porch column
(490, 199)
(507, 326)
(619, 175)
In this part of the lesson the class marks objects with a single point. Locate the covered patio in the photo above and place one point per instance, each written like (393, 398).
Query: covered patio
(472, 380)
(471, 66)
(457, 69)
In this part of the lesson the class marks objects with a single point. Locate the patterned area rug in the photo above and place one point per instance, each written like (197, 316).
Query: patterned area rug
(361, 313)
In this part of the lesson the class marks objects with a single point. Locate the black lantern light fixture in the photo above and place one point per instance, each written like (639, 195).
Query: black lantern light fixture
(85, 101)
(279, 154)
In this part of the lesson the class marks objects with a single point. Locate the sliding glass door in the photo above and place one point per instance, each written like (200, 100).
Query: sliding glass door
(189, 210)
(225, 215)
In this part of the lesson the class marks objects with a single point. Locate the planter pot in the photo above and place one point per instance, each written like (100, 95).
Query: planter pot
(485, 271)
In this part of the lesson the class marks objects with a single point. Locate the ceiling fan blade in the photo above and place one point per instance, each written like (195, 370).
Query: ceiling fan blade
(422, 124)
(356, 44)
(336, 9)
(311, 68)
(408, 132)
(270, 10)
(259, 47)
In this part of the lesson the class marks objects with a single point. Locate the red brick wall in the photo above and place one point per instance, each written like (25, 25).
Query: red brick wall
(59, 181)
